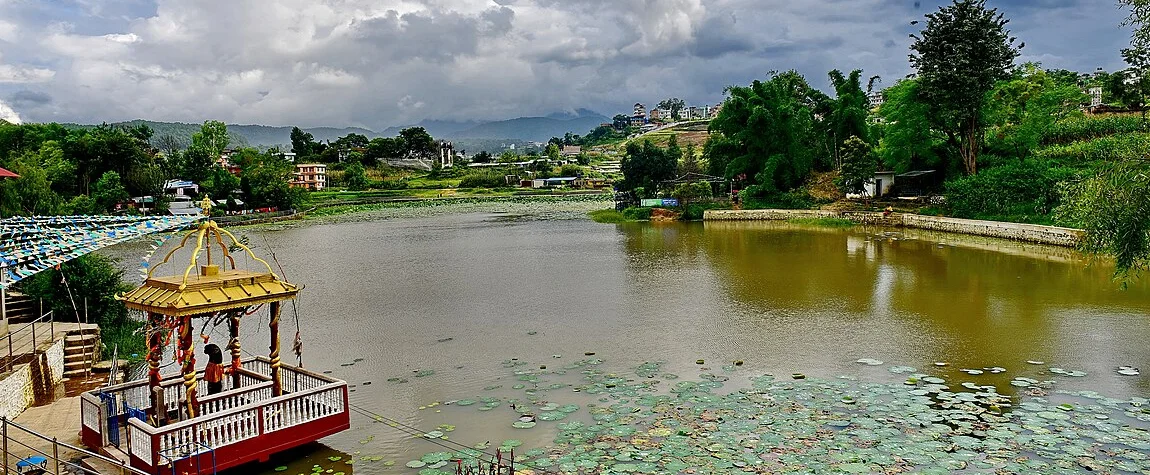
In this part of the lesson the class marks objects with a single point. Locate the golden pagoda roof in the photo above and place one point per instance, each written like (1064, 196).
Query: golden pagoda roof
(212, 289)
(202, 294)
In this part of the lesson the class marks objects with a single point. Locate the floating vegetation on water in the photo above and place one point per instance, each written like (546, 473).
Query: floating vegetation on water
(647, 422)
(1128, 371)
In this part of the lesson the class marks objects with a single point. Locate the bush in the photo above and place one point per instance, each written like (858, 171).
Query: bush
(1023, 192)
(483, 179)
(694, 211)
(797, 199)
(637, 214)
(1114, 147)
(1091, 127)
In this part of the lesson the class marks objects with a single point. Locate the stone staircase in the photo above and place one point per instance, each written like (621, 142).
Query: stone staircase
(81, 350)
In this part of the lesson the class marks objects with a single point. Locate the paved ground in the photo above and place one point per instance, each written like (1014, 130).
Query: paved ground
(60, 419)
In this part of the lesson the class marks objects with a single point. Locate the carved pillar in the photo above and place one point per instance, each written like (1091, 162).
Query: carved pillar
(188, 353)
(277, 386)
(155, 354)
(234, 345)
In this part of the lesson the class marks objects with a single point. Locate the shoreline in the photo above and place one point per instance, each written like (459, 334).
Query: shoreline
(1033, 233)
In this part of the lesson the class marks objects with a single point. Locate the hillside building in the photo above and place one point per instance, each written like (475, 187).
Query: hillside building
(310, 176)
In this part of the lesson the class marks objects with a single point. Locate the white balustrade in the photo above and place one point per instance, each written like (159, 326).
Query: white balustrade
(90, 413)
(140, 442)
(303, 409)
(224, 419)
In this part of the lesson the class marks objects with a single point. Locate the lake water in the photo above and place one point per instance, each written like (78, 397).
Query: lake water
(459, 294)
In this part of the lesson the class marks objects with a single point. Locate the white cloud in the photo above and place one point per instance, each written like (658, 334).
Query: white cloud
(377, 63)
(6, 113)
(22, 74)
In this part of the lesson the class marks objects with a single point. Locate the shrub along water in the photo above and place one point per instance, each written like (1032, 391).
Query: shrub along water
(1022, 192)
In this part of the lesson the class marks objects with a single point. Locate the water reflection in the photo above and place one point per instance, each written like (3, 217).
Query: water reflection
(459, 294)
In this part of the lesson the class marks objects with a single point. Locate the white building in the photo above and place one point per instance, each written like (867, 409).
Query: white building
(876, 99)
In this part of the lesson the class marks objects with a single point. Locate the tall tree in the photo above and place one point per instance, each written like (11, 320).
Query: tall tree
(675, 106)
(1025, 108)
(109, 191)
(848, 110)
(765, 134)
(418, 143)
(963, 51)
(302, 143)
(909, 142)
(644, 166)
(859, 166)
(212, 137)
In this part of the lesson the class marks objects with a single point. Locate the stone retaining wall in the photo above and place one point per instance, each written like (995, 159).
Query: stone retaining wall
(17, 391)
(1014, 231)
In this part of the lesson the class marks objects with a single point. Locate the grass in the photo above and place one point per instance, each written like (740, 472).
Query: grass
(124, 336)
(629, 215)
(824, 222)
(608, 216)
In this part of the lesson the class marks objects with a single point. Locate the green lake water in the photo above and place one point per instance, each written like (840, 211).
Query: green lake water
(460, 294)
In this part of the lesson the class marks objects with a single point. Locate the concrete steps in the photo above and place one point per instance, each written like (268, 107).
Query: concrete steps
(81, 349)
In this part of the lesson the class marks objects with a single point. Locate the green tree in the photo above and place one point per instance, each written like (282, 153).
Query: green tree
(620, 122)
(1113, 207)
(690, 163)
(29, 195)
(355, 176)
(675, 106)
(212, 137)
(908, 141)
(644, 166)
(418, 143)
(963, 51)
(765, 133)
(265, 182)
(302, 143)
(570, 170)
(1024, 109)
(92, 279)
(109, 191)
(848, 111)
(482, 157)
(386, 147)
(552, 152)
(673, 148)
(688, 193)
(197, 164)
(859, 166)
(220, 184)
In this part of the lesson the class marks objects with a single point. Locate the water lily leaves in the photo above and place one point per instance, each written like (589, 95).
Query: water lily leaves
(416, 464)
(523, 424)
(281, 468)
(972, 372)
(1128, 371)
(869, 362)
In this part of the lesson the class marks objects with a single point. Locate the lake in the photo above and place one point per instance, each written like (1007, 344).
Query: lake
(461, 295)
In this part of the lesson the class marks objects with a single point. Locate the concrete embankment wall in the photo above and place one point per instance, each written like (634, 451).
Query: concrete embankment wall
(1014, 231)
(17, 389)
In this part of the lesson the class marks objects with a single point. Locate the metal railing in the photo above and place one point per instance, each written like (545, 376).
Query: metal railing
(23, 341)
(53, 463)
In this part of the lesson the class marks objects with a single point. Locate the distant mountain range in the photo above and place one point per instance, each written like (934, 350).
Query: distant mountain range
(472, 133)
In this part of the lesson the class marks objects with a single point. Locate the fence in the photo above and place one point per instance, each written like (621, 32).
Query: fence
(49, 460)
(23, 341)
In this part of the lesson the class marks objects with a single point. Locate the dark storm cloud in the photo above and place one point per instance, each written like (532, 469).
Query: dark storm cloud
(25, 98)
(377, 63)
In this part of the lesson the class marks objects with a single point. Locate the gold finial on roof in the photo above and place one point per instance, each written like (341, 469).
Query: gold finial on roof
(206, 205)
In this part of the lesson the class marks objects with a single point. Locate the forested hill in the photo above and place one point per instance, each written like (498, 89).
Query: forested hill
(538, 129)
(251, 135)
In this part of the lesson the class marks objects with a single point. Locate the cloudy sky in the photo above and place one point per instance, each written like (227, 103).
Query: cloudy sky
(377, 63)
